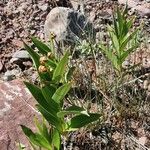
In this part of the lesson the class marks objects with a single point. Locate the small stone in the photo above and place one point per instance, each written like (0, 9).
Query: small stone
(92, 16)
(43, 7)
(27, 63)
(23, 54)
(142, 140)
(37, 18)
(11, 74)
(1, 66)
(75, 4)
(149, 88)
(32, 32)
(126, 64)
(14, 60)
(148, 1)
(145, 84)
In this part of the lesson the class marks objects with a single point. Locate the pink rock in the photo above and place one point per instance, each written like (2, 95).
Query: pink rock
(144, 11)
(131, 3)
(16, 107)
(142, 8)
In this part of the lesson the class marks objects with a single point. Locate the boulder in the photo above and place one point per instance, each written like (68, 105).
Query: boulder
(16, 107)
(68, 25)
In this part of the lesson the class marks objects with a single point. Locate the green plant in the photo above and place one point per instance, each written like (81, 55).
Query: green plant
(123, 40)
(55, 83)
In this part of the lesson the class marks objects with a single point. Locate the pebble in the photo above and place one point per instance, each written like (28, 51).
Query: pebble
(148, 1)
(32, 32)
(43, 7)
(145, 84)
(23, 54)
(11, 74)
(149, 88)
(1, 66)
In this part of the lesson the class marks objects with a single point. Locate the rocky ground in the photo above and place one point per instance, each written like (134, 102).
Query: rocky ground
(21, 19)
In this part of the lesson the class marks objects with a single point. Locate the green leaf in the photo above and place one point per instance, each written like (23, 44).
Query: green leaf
(51, 64)
(82, 120)
(61, 92)
(35, 57)
(128, 52)
(128, 38)
(60, 69)
(130, 23)
(48, 91)
(56, 139)
(36, 138)
(72, 110)
(114, 39)
(42, 128)
(115, 27)
(109, 54)
(120, 21)
(43, 48)
(38, 125)
(51, 118)
(69, 74)
(37, 94)
(125, 11)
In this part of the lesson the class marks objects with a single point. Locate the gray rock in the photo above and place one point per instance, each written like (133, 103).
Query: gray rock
(23, 54)
(11, 74)
(148, 1)
(68, 25)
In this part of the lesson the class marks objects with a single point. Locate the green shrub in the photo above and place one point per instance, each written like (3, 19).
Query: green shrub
(123, 40)
(55, 83)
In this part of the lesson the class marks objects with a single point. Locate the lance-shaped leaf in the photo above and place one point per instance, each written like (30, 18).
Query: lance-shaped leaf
(48, 91)
(82, 120)
(72, 110)
(127, 52)
(56, 139)
(36, 138)
(37, 94)
(128, 38)
(51, 118)
(51, 64)
(69, 74)
(35, 57)
(42, 128)
(61, 93)
(60, 69)
(43, 48)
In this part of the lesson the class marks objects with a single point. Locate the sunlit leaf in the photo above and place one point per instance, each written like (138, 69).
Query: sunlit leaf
(36, 138)
(61, 66)
(82, 120)
(72, 110)
(61, 92)
(43, 48)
